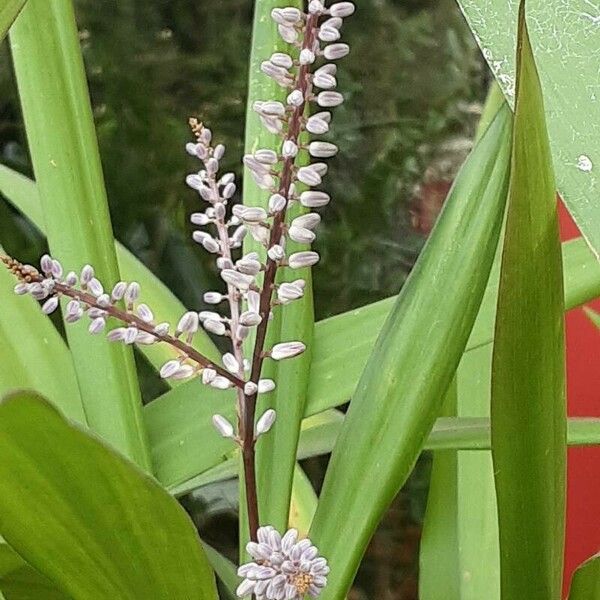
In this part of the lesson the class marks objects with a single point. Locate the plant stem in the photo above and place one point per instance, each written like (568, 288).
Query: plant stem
(31, 275)
(303, 83)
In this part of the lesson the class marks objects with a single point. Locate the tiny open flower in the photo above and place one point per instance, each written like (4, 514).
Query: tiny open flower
(223, 426)
(283, 568)
(287, 350)
(265, 422)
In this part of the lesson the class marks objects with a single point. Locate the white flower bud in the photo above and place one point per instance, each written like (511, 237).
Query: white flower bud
(308, 176)
(238, 235)
(328, 33)
(143, 337)
(250, 388)
(313, 199)
(301, 235)
(162, 329)
(299, 260)
(223, 426)
(184, 372)
(119, 291)
(325, 81)
(97, 325)
(266, 157)
(253, 299)
(307, 57)
(209, 314)
(248, 266)
(250, 318)
(291, 14)
(211, 245)
(71, 279)
(132, 293)
(265, 422)
(219, 151)
(282, 60)
(208, 375)
(104, 300)
(239, 280)
(220, 210)
(21, 289)
(272, 108)
(315, 7)
(322, 149)
(277, 203)
(276, 252)
(194, 181)
(95, 287)
(317, 126)
(287, 350)
(320, 168)
(342, 9)
(265, 386)
(46, 264)
(213, 297)
(188, 323)
(336, 51)
(229, 191)
(287, 292)
(169, 369)
(116, 335)
(50, 305)
(295, 98)
(250, 214)
(328, 99)
(221, 383)
(144, 312)
(289, 149)
(130, 335)
(216, 327)
(231, 363)
(86, 274)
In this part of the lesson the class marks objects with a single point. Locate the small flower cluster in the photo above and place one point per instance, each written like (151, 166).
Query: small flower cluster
(284, 568)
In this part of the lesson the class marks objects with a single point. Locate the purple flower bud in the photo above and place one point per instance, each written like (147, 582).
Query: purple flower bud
(50, 305)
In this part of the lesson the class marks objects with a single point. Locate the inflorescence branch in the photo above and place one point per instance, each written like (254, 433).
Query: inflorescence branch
(283, 567)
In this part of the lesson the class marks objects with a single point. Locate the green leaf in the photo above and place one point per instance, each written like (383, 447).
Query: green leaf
(106, 530)
(23, 194)
(439, 567)
(586, 580)
(225, 570)
(528, 404)
(303, 503)
(62, 141)
(18, 581)
(565, 41)
(401, 390)
(9, 10)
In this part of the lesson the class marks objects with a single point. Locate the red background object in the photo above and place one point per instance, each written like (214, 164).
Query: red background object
(583, 398)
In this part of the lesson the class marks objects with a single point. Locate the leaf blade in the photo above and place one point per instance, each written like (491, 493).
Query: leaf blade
(88, 490)
(528, 359)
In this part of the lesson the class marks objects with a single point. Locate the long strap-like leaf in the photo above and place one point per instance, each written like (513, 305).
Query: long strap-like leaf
(9, 10)
(528, 374)
(62, 142)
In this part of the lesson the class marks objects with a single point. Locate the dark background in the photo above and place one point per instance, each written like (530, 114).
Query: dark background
(414, 84)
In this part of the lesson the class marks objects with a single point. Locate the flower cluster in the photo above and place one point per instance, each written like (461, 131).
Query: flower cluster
(283, 567)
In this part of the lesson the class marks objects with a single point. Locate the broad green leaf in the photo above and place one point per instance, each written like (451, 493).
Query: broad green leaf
(23, 194)
(401, 390)
(28, 338)
(586, 580)
(62, 141)
(9, 10)
(106, 529)
(564, 35)
(528, 405)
